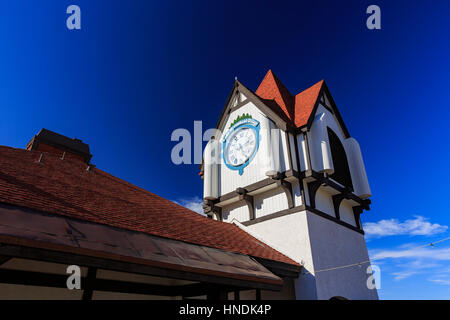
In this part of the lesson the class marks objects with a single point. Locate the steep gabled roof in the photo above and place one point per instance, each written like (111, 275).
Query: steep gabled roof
(271, 88)
(297, 109)
(305, 102)
(46, 183)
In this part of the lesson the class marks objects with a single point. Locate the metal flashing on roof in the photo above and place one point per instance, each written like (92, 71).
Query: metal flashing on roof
(29, 228)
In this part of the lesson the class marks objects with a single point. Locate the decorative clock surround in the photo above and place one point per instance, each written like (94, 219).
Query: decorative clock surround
(241, 142)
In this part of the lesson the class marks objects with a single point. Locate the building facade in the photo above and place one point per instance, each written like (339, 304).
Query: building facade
(285, 169)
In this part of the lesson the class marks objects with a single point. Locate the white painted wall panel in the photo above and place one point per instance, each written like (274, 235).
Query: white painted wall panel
(296, 191)
(303, 155)
(293, 152)
(346, 213)
(237, 210)
(269, 202)
(324, 202)
(284, 156)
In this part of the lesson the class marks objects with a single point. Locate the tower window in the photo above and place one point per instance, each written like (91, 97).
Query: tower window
(341, 170)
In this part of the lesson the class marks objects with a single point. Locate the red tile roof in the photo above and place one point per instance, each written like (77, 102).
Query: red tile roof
(296, 109)
(271, 88)
(304, 103)
(65, 187)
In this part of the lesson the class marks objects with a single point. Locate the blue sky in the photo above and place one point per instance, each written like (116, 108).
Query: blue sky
(137, 70)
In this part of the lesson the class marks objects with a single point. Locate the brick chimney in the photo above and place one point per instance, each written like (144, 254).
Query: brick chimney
(67, 148)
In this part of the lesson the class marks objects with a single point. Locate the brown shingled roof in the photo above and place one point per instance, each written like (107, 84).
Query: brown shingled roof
(67, 188)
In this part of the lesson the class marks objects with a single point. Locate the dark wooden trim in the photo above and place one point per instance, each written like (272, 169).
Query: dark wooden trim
(237, 295)
(216, 294)
(331, 218)
(287, 188)
(299, 209)
(308, 155)
(34, 278)
(299, 168)
(250, 204)
(89, 284)
(280, 269)
(326, 107)
(274, 215)
(250, 188)
(291, 173)
(297, 153)
(312, 190)
(114, 265)
(59, 281)
(288, 146)
(337, 199)
(199, 289)
(333, 106)
(357, 213)
(251, 97)
(314, 110)
(258, 294)
(335, 109)
(226, 107)
(331, 183)
(209, 208)
(257, 185)
(4, 259)
(263, 107)
(238, 106)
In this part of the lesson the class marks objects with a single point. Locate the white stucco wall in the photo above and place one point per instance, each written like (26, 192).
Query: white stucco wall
(269, 202)
(333, 245)
(291, 235)
(237, 210)
(320, 244)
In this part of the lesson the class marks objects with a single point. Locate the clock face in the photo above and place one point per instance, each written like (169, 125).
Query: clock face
(240, 146)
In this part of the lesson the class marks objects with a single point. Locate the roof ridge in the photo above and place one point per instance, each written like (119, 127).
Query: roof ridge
(304, 103)
(271, 88)
(48, 154)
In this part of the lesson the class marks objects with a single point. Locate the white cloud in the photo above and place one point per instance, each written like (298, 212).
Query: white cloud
(414, 267)
(442, 254)
(194, 204)
(413, 260)
(393, 227)
(404, 274)
(441, 281)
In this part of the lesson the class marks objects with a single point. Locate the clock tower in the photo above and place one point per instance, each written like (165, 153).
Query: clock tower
(285, 169)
